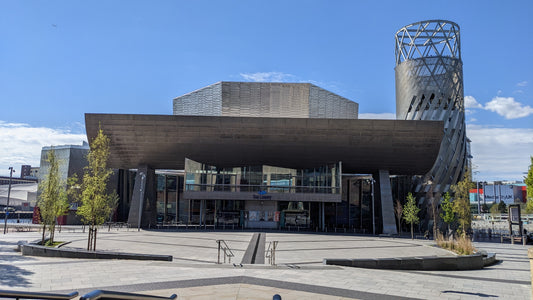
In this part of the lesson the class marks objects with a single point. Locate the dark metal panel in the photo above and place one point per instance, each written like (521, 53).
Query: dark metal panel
(363, 146)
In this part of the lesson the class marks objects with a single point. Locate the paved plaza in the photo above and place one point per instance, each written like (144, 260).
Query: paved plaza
(299, 273)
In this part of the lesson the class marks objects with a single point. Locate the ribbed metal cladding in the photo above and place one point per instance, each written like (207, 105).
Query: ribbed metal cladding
(429, 86)
(265, 99)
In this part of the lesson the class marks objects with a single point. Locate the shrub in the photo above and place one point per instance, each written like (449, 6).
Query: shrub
(461, 245)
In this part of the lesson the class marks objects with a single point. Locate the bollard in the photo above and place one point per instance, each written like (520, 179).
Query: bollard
(530, 255)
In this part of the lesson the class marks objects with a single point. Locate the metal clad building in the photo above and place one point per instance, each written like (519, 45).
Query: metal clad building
(429, 86)
(265, 99)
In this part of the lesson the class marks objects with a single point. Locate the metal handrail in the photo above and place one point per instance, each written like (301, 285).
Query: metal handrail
(227, 251)
(271, 252)
(102, 294)
(35, 295)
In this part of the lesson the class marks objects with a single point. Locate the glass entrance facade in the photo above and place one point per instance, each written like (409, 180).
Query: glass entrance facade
(353, 213)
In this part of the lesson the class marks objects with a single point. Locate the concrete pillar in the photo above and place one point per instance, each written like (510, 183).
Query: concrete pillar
(143, 200)
(387, 205)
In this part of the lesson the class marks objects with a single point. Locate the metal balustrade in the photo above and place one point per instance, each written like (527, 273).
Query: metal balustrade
(222, 246)
(271, 252)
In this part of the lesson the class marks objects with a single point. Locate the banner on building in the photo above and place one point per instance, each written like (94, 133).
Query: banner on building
(498, 193)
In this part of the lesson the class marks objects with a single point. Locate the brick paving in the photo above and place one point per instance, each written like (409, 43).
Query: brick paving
(299, 274)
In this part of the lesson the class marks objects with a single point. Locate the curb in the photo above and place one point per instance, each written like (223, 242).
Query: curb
(427, 263)
(36, 250)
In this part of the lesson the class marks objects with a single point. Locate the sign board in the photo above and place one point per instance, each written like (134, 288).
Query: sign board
(514, 214)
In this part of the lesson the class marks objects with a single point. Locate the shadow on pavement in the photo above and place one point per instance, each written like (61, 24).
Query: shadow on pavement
(13, 276)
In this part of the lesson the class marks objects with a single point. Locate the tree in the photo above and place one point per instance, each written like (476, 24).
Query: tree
(494, 210)
(447, 214)
(398, 209)
(53, 197)
(461, 202)
(96, 203)
(410, 212)
(484, 208)
(502, 208)
(529, 186)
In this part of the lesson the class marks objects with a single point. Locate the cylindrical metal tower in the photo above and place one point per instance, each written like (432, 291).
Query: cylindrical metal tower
(429, 86)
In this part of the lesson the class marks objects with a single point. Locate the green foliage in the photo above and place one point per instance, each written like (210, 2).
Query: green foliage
(410, 212)
(74, 189)
(96, 203)
(502, 208)
(484, 208)
(529, 186)
(494, 210)
(52, 200)
(461, 202)
(447, 214)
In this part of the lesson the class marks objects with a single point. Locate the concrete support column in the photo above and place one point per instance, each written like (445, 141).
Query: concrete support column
(143, 201)
(387, 204)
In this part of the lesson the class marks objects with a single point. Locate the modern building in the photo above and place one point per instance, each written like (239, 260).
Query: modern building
(29, 172)
(25, 171)
(429, 86)
(264, 155)
(22, 197)
(72, 160)
(498, 191)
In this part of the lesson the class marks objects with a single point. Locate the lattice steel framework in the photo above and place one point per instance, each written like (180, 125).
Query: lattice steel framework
(429, 86)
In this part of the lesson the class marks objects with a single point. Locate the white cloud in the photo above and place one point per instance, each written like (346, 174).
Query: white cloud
(268, 77)
(500, 153)
(508, 107)
(522, 83)
(382, 116)
(21, 144)
(470, 102)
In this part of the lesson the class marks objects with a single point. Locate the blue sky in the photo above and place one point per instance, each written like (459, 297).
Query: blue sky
(61, 59)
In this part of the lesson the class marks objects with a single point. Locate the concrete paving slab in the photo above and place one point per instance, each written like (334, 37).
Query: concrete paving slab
(299, 273)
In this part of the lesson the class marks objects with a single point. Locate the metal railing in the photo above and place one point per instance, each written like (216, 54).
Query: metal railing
(94, 295)
(271, 252)
(35, 295)
(227, 251)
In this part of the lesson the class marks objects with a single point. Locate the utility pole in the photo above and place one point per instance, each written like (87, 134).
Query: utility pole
(6, 211)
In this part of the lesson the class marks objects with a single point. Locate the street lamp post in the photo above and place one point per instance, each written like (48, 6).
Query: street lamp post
(373, 210)
(8, 195)
(143, 177)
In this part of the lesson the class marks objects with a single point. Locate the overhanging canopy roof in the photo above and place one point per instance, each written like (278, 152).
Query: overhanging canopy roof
(363, 146)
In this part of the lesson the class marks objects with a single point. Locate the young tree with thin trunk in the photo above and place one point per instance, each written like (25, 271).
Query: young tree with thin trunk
(529, 187)
(461, 201)
(96, 203)
(53, 197)
(447, 214)
(410, 212)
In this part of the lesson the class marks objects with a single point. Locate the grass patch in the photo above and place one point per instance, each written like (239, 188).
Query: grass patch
(461, 245)
(54, 244)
